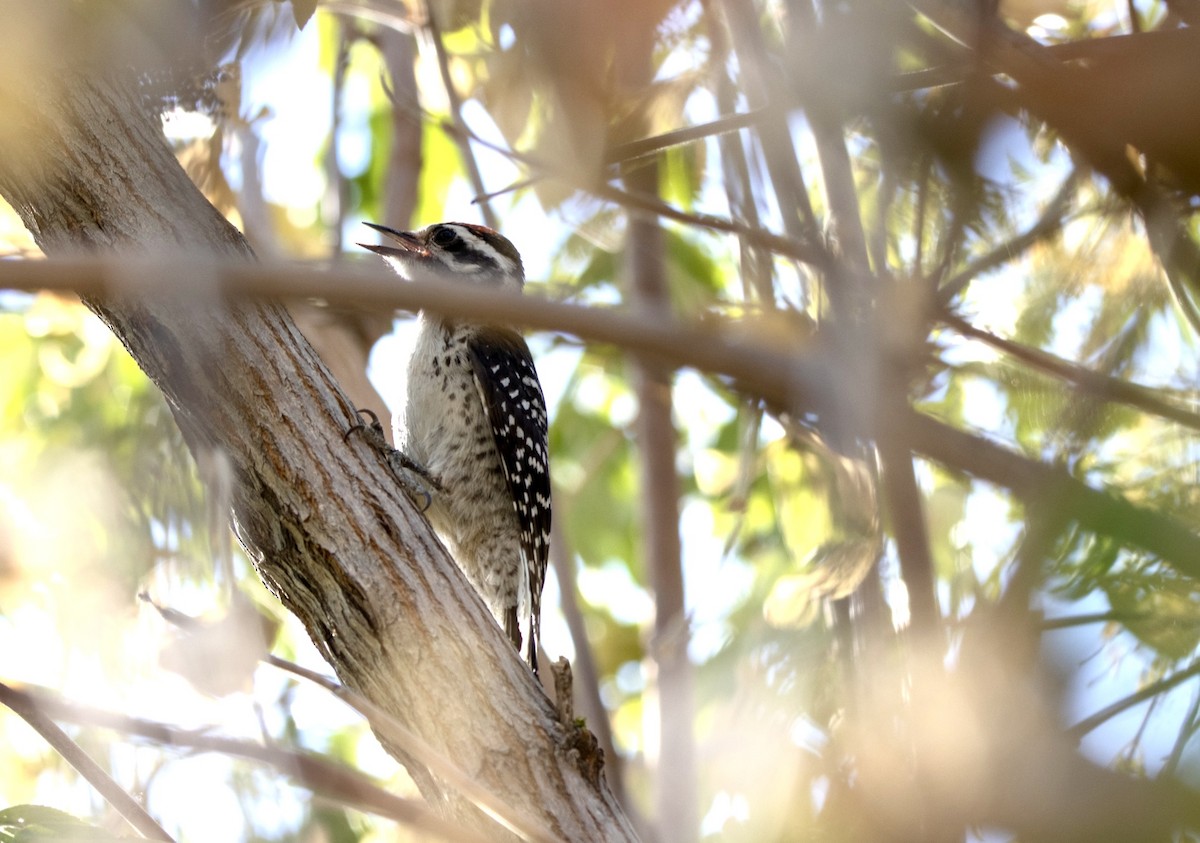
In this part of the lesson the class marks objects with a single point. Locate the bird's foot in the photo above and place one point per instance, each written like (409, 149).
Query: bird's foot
(414, 478)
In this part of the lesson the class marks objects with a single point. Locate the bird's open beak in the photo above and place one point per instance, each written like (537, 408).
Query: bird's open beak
(409, 244)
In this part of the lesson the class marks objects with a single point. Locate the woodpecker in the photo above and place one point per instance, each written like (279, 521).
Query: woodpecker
(474, 422)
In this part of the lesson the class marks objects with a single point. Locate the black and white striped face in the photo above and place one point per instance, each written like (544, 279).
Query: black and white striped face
(458, 249)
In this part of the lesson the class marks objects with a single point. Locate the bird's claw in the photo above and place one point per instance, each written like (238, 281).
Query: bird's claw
(406, 470)
(373, 430)
(401, 464)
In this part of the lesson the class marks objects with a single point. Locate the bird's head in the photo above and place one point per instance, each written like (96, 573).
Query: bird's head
(457, 250)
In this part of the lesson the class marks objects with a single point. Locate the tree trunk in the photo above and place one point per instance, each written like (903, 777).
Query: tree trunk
(331, 533)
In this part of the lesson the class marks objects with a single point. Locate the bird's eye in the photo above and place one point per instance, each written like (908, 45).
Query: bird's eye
(446, 238)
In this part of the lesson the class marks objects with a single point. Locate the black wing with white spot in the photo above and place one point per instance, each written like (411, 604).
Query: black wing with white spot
(512, 395)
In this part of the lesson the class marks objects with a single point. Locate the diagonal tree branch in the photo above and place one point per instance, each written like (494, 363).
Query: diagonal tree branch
(129, 808)
(1047, 225)
(319, 774)
(729, 124)
(1143, 694)
(805, 249)
(326, 525)
(1097, 384)
(1104, 513)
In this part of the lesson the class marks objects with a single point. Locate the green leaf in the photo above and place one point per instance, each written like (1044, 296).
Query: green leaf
(1162, 611)
(31, 823)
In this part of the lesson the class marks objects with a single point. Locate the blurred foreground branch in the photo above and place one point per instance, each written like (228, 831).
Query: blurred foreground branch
(793, 376)
(33, 712)
(320, 775)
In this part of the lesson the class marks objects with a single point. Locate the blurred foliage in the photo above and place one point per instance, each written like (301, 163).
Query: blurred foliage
(100, 500)
(31, 823)
(84, 428)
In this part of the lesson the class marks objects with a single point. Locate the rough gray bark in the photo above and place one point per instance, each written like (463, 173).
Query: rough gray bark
(327, 526)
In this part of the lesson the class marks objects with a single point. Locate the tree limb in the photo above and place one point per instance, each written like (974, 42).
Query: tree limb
(796, 378)
(320, 775)
(326, 525)
(128, 807)
(1097, 384)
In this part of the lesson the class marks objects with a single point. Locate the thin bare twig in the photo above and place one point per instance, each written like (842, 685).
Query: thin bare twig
(463, 137)
(757, 267)
(402, 179)
(811, 251)
(396, 732)
(1048, 224)
(1097, 384)
(322, 776)
(1140, 696)
(29, 710)
(778, 147)
(907, 515)
(1070, 621)
(1186, 730)
(841, 194)
(649, 146)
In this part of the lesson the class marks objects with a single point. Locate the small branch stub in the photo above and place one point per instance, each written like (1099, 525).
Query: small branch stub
(580, 744)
